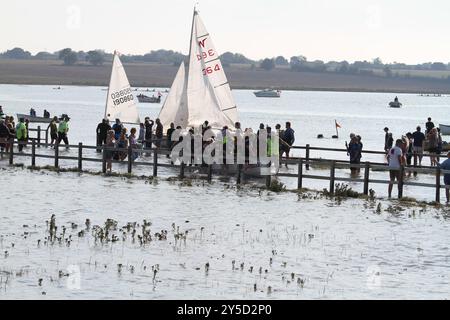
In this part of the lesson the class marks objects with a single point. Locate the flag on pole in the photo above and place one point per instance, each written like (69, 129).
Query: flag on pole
(337, 124)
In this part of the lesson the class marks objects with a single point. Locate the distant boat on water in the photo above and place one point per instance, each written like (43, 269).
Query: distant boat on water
(33, 118)
(395, 104)
(146, 99)
(268, 93)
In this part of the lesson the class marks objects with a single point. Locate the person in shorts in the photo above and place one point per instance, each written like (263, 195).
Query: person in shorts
(418, 141)
(394, 157)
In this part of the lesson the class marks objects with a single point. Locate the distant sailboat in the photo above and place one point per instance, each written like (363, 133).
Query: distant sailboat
(120, 102)
(203, 92)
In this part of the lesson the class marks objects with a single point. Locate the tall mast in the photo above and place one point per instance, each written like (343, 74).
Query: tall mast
(192, 32)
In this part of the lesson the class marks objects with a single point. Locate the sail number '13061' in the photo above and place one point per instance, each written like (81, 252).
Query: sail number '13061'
(122, 96)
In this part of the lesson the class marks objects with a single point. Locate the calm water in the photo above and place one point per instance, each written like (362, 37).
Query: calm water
(319, 248)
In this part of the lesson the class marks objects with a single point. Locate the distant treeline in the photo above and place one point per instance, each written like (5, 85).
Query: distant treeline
(296, 63)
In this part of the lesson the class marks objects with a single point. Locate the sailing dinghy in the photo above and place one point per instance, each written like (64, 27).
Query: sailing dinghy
(120, 101)
(201, 92)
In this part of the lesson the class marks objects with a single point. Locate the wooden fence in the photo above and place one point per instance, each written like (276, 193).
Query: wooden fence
(303, 164)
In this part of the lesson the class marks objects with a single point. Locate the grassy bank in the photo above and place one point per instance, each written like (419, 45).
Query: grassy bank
(240, 77)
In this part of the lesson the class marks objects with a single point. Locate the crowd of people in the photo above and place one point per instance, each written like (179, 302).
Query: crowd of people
(151, 133)
(9, 130)
(409, 150)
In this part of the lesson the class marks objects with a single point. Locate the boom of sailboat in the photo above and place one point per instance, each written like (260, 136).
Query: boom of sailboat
(199, 92)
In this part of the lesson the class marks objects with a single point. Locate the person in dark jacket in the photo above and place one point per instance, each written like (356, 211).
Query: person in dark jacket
(5, 136)
(159, 133)
(102, 133)
(287, 142)
(148, 132)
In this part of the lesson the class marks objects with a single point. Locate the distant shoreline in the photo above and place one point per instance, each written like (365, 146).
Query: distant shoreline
(145, 75)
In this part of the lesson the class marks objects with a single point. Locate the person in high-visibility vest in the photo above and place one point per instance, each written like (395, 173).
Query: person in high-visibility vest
(63, 129)
(21, 133)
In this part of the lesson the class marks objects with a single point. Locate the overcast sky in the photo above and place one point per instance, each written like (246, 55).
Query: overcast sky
(396, 30)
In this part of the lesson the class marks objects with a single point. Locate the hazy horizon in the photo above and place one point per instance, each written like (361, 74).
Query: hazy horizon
(405, 31)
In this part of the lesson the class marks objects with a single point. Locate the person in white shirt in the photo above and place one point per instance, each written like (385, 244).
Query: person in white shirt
(395, 156)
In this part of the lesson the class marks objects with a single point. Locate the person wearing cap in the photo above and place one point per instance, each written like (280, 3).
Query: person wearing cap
(446, 166)
(63, 129)
(21, 133)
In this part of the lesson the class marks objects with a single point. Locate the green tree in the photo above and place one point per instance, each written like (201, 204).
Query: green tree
(281, 61)
(68, 56)
(377, 62)
(387, 71)
(17, 53)
(268, 64)
(95, 57)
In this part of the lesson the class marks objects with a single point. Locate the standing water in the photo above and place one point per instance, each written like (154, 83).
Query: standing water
(118, 238)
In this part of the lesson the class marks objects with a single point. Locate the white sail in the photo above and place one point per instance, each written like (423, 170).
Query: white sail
(208, 92)
(120, 102)
(175, 107)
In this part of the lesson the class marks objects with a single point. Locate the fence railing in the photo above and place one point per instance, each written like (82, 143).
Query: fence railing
(303, 164)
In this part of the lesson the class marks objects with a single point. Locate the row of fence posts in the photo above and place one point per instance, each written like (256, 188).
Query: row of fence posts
(35, 143)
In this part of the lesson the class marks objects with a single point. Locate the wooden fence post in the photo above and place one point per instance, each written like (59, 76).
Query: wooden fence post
(56, 155)
(182, 170)
(300, 174)
(400, 182)
(80, 156)
(307, 157)
(11, 152)
(39, 136)
(332, 176)
(239, 171)
(366, 177)
(46, 138)
(33, 153)
(268, 181)
(438, 185)
(155, 162)
(130, 159)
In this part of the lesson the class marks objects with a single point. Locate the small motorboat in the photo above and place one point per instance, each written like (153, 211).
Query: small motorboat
(268, 93)
(36, 119)
(395, 104)
(146, 99)
(445, 129)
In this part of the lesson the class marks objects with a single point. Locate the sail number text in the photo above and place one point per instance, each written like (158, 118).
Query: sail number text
(122, 96)
(209, 70)
(204, 55)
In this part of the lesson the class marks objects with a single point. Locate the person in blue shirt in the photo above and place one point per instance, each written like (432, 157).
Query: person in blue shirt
(446, 166)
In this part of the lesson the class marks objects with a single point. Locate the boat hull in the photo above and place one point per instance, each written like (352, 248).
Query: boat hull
(267, 94)
(145, 99)
(445, 129)
(34, 119)
(394, 104)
